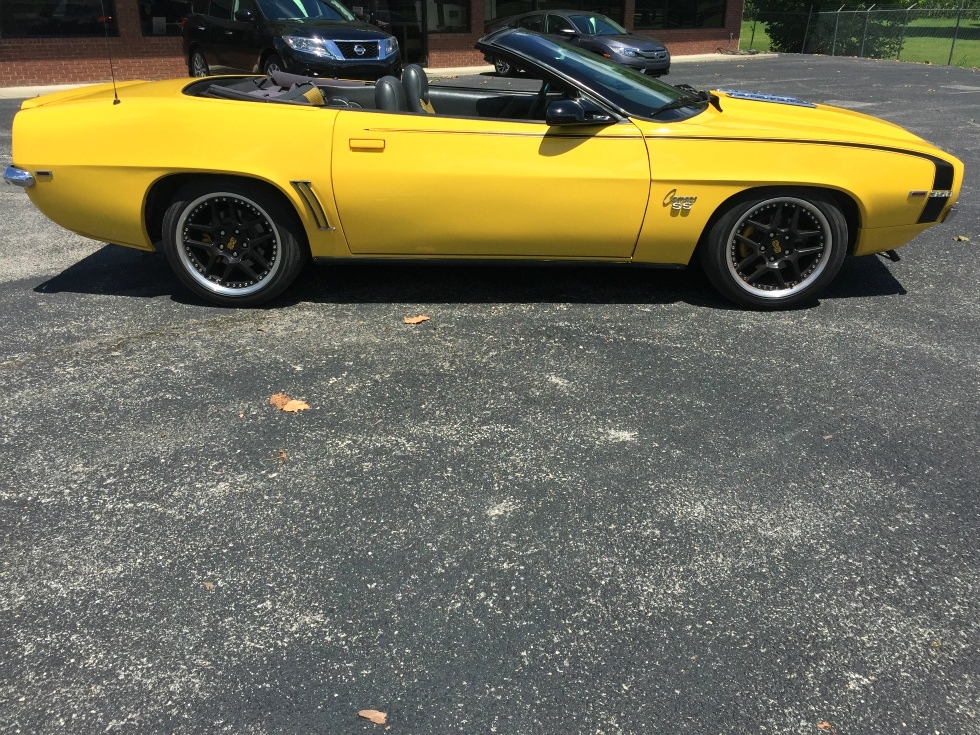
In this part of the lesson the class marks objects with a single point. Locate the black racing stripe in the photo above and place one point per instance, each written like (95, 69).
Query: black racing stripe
(942, 179)
(944, 175)
(932, 210)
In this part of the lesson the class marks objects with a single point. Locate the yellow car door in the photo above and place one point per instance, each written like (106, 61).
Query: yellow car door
(418, 185)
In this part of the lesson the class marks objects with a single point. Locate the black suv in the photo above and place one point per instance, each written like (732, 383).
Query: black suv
(593, 32)
(308, 37)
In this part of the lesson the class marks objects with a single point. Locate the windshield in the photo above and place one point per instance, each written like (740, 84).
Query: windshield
(304, 9)
(597, 25)
(632, 92)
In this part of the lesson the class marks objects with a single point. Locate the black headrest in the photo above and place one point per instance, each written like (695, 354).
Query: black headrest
(389, 94)
(416, 88)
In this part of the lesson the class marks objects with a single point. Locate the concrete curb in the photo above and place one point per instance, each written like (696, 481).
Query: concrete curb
(12, 93)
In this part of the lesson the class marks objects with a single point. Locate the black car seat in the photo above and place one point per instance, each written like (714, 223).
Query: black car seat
(416, 85)
(389, 95)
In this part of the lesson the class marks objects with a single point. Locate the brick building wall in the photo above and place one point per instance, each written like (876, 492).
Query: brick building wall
(30, 61)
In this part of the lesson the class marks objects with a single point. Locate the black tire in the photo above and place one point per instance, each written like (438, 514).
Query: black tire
(774, 250)
(273, 63)
(233, 242)
(197, 64)
(504, 68)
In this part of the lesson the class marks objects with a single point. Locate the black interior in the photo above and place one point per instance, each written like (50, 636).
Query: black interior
(282, 88)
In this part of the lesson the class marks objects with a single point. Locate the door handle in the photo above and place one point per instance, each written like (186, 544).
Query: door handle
(201, 28)
(367, 145)
(228, 33)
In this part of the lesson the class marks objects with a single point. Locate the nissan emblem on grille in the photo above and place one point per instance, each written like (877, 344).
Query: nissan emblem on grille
(359, 50)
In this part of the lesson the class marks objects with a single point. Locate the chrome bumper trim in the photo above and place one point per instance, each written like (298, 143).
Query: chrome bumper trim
(18, 177)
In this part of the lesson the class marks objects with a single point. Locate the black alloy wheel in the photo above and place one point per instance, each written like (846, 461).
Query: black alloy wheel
(232, 242)
(198, 64)
(776, 251)
(273, 64)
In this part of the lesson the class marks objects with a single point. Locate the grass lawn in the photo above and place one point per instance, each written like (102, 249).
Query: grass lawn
(927, 40)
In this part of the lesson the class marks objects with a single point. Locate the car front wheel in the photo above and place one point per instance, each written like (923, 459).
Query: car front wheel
(198, 64)
(776, 251)
(232, 242)
(273, 64)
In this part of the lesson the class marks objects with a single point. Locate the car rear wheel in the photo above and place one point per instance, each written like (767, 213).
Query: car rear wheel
(232, 242)
(198, 64)
(504, 68)
(273, 64)
(777, 250)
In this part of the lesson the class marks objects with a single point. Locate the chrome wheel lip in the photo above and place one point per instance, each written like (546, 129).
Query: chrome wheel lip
(212, 286)
(807, 281)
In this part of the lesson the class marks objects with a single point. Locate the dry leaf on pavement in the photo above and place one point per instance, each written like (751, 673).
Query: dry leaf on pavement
(209, 586)
(378, 718)
(285, 403)
(961, 238)
(416, 319)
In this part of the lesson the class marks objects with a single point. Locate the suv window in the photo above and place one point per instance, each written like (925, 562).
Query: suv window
(557, 24)
(531, 23)
(220, 9)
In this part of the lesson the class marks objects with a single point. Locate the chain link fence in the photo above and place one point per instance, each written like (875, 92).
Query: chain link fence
(933, 36)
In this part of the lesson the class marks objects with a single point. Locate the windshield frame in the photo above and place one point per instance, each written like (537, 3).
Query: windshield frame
(622, 89)
(618, 30)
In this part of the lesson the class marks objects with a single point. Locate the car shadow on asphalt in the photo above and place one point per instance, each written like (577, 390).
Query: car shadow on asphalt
(124, 272)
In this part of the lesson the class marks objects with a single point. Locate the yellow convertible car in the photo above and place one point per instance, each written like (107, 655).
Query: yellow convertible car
(242, 180)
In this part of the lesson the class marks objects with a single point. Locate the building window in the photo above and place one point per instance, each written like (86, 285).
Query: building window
(57, 18)
(163, 17)
(659, 14)
(496, 9)
(448, 17)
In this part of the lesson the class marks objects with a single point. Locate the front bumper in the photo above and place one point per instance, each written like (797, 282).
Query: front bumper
(310, 66)
(644, 66)
(18, 177)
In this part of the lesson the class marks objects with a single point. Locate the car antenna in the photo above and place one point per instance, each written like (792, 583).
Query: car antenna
(108, 51)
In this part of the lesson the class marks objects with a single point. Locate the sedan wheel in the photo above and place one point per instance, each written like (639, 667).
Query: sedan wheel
(777, 251)
(198, 65)
(504, 68)
(232, 242)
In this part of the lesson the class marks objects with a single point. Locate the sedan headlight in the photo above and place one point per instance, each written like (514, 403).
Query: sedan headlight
(313, 46)
(631, 52)
(390, 46)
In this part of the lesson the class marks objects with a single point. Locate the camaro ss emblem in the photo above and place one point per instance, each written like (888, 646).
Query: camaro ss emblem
(678, 203)
(359, 50)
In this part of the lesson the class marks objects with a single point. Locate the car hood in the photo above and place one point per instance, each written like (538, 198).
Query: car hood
(354, 30)
(731, 117)
(641, 43)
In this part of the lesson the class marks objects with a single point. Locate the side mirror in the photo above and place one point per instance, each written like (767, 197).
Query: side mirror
(564, 112)
(244, 16)
(568, 32)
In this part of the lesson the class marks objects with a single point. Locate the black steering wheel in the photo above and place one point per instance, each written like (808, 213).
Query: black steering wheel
(536, 111)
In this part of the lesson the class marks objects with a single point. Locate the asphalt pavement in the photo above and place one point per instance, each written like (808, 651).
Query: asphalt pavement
(576, 500)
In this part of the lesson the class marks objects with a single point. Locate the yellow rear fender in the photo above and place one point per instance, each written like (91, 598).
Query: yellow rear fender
(164, 191)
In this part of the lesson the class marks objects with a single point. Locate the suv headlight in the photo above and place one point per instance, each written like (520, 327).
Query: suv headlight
(390, 46)
(313, 46)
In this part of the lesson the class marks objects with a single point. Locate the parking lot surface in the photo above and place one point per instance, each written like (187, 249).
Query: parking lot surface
(576, 500)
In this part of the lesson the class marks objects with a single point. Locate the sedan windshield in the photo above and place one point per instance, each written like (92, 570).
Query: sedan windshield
(597, 25)
(632, 92)
(304, 9)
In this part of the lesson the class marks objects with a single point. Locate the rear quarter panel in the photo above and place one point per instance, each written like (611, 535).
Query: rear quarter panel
(105, 157)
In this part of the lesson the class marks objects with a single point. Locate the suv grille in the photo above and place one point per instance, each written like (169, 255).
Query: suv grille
(348, 49)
